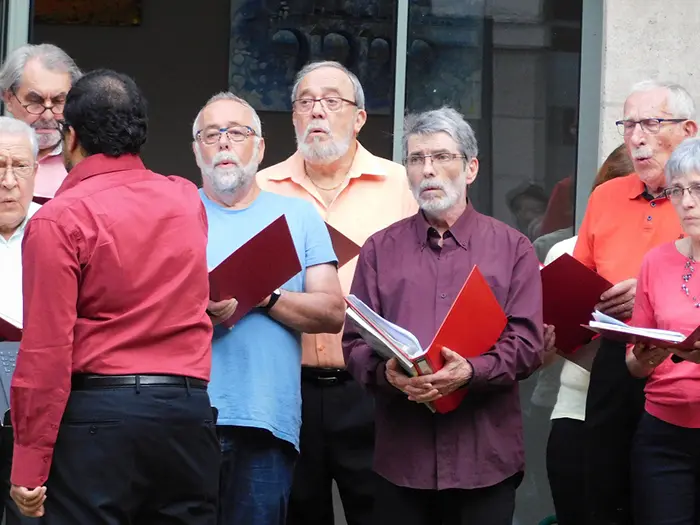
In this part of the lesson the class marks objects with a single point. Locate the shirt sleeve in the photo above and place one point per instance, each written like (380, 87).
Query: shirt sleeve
(361, 360)
(519, 351)
(42, 378)
(319, 248)
(584, 249)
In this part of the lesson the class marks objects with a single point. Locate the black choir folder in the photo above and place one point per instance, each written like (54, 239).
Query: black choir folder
(256, 269)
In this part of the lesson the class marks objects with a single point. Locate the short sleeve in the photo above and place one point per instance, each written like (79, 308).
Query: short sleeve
(584, 250)
(318, 248)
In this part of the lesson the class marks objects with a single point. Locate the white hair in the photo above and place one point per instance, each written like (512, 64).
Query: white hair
(51, 57)
(12, 126)
(313, 66)
(443, 120)
(678, 101)
(227, 95)
(684, 160)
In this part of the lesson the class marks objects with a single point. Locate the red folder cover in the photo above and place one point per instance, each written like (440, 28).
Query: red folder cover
(345, 249)
(9, 330)
(570, 291)
(472, 327)
(41, 200)
(256, 269)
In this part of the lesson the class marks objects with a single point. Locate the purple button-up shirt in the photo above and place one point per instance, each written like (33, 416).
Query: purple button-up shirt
(404, 276)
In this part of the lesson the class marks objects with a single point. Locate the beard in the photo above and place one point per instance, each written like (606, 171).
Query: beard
(47, 140)
(322, 151)
(228, 181)
(452, 191)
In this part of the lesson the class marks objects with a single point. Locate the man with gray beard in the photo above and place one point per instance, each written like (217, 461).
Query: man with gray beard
(462, 467)
(34, 81)
(358, 194)
(256, 365)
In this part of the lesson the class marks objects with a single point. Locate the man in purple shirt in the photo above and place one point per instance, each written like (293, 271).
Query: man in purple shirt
(464, 466)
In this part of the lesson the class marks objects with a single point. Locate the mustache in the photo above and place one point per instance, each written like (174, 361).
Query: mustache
(432, 185)
(644, 152)
(45, 124)
(317, 124)
(225, 156)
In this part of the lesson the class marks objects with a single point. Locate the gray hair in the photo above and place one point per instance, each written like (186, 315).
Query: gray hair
(679, 101)
(313, 66)
(51, 57)
(227, 95)
(13, 126)
(684, 160)
(443, 120)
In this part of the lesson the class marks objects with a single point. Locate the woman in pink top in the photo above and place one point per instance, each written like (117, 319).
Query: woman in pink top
(666, 449)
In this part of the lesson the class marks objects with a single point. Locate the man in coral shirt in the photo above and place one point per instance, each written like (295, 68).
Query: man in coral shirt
(358, 194)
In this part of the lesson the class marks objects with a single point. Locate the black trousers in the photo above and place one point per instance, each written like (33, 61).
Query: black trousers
(144, 457)
(337, 443)
(666, 473)
(614, 406)
(565, 469)
(485, 506)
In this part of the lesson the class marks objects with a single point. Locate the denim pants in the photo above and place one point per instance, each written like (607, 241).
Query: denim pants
(256, 477)
(665, 473)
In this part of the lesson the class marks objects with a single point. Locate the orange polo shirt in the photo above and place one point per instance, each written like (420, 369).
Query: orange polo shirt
(621, 226)
(375, 194)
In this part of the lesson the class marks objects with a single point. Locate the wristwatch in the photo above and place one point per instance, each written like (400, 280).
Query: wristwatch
(274, 297)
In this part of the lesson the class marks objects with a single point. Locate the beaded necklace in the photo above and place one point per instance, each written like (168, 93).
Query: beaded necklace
(689, 271)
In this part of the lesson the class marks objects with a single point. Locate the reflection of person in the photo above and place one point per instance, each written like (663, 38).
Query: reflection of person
(665, 453)
(565, 447)
(358, 194)
(109, 403)
(34, 81)
(256, 368)
(624, 219)
(463, 466)
(18, 165)
(528, 205)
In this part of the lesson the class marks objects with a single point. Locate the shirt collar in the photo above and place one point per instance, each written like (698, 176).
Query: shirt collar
(98, 165)
(359, 168)
(461, 230)
(19, 231)
(639, 189)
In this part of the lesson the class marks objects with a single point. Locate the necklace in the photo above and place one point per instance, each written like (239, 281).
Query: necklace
(689, 270)
(322, 188)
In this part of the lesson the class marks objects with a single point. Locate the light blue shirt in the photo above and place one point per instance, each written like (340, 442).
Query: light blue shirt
(256, 366)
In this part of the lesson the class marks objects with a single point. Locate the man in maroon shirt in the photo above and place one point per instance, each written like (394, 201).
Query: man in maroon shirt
(463, 466)
(111, 417)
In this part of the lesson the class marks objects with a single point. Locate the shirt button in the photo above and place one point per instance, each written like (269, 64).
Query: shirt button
(443, 295)
(653, 204)
(649, 217)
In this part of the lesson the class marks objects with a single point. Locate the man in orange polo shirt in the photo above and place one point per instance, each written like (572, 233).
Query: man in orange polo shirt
(358, 194)
(624, 219)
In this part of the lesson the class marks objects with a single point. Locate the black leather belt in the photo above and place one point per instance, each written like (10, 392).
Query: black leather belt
(90, 381)
(325, 376)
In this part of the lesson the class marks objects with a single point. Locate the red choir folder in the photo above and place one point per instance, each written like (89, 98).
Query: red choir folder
(41, 200)
(256, 269)
(10, 329)
(345, 249)
(472, 327)
(570, 291)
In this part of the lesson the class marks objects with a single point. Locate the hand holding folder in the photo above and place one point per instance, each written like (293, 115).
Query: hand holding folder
(570, 292)
(472, 327)
(256, 269)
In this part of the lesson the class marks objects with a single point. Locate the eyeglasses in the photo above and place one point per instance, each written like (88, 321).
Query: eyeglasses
(414, 161)
(36, 108)
(675, 193)
(332, 104)
(650, 125)
(234, 134)
(20, 171)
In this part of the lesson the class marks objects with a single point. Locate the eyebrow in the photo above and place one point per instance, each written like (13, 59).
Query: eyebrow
(324, 92)
(432, 152)
(35, 94)
(226, 126)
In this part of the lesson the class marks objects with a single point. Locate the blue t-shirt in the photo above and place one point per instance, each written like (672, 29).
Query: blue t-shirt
(256, 366)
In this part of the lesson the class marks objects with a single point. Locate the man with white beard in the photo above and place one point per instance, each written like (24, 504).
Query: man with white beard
(358, 194)
(256, 365)
(34, 81)
(462, 467)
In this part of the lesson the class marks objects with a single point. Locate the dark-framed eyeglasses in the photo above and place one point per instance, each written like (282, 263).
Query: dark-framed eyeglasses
(211, 136)
(444, 157)
(332, 104)
(37, 108)
(20, 171)
(675, 193)
(650, 125)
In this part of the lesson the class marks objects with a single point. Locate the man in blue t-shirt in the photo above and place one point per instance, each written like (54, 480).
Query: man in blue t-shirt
(256, 368)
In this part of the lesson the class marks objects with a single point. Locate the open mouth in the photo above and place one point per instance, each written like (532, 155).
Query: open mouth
(225, 164)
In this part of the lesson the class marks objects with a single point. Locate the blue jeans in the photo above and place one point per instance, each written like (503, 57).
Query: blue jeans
(665, 473)
(256, 477)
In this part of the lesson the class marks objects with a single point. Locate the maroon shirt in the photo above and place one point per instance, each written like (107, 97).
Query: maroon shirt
(115, 282)
(408, 279)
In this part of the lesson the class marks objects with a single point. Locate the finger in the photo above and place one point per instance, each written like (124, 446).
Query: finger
(620, 309)
(618, 289)
(427, 397)
(392, 364)
(413, 391)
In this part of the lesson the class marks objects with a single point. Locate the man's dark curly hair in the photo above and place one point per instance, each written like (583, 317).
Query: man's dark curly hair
(108, 113)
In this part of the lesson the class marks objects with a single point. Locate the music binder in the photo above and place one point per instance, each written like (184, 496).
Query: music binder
(345, 248)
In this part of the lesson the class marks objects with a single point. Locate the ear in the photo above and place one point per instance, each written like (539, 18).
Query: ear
(472, 170)
(7, 98)
(360, 119)
(261, 150)
(70, 140)
(195, 151)
(690, 128)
